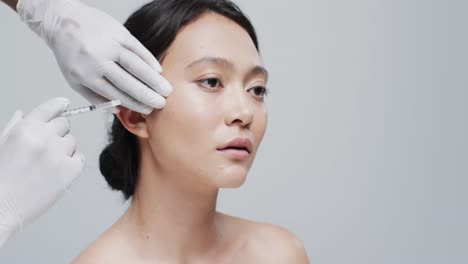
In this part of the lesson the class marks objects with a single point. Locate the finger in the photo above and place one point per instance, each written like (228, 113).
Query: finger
(89, 94)
(112, 93)
(134, 45)
(136, 66)
(75, 166)
(61, 125)
(133, 87)
(80, 159)
(68, 144)
(49, 110)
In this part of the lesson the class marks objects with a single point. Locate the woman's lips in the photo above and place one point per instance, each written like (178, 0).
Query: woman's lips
(238, 148)
(235, 153)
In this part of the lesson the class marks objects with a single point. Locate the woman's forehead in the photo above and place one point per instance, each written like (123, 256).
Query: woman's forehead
(213, 35)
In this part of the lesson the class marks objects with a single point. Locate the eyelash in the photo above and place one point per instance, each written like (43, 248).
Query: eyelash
(264, 91)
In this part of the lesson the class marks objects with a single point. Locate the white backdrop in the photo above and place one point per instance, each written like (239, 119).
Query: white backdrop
(366, 154)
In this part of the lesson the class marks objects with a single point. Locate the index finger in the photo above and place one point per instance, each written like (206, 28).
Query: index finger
(49, 109)
(135, 46)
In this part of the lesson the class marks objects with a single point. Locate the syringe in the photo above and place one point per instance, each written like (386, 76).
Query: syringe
(91, 108)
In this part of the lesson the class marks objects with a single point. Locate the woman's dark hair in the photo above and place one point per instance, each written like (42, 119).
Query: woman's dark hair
(156, 25)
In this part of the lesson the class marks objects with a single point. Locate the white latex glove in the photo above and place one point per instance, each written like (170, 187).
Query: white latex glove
(38, 163)
(97, 55)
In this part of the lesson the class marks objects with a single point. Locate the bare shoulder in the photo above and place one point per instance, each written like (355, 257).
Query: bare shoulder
(90, 255)
(268, 243)
(275, 244)
(93, 254)
(102, 250)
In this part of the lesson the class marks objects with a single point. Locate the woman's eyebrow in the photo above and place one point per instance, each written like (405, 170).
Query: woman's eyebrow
(258, 70)
(224, 63)
(218, 61)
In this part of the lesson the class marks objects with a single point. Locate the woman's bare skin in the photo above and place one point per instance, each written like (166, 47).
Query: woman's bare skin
(173, 216)
(240, 241)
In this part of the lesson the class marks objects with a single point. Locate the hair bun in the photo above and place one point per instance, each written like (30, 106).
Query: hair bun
(119, 160)
(110, 168)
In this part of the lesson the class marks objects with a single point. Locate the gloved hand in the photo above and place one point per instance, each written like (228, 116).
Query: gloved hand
(38, 163)
(98, 57)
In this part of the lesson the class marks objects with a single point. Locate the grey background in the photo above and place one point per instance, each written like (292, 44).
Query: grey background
(366, 154)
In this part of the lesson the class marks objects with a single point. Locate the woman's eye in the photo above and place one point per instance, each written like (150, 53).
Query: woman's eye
(259, 91)
(210, 82)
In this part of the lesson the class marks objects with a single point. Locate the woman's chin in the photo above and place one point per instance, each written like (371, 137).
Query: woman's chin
(231, 178)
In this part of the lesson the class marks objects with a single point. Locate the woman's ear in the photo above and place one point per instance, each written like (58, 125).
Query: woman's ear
(133, 121)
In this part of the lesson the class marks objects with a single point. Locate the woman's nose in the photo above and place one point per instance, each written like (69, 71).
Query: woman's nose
(238, 107)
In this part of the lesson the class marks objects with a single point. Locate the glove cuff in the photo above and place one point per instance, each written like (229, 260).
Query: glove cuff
(5, 235)
(17, 116)
(34, 13)
(9, 220)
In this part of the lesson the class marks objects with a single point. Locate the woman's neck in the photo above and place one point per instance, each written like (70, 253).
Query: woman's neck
(169, 220)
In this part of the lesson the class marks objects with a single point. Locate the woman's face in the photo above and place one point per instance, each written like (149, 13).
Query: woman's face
(218, 87)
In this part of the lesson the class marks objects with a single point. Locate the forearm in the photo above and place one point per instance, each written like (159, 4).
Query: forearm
(11, 3)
